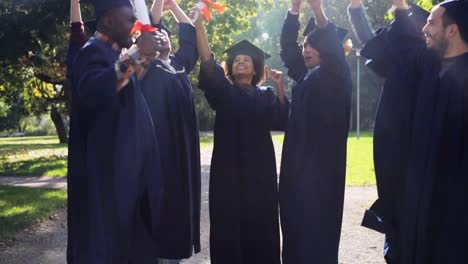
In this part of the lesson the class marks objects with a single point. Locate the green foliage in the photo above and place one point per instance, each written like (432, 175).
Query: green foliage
(21, 207)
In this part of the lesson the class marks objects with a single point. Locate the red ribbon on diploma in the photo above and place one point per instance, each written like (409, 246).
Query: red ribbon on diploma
(206, 12)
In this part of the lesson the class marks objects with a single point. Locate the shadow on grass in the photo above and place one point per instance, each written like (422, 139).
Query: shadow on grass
(21, 207)
(11, 149)
(42, 166)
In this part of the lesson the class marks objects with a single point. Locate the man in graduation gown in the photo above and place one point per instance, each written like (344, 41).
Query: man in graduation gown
(168, 92)
(313, 167)
(432, 214)
(113, 203)
(393, 122)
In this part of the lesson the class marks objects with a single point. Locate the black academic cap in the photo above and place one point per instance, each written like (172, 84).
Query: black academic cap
(458, 11)
(418, 15)
(102, 6)
(245, 47)
(311, 26)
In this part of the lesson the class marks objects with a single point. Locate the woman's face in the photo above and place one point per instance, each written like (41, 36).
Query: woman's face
(243, 65)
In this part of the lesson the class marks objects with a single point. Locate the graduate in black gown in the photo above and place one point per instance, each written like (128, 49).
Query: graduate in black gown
(394, 118)
(313, 166)
(168, 92)
(243, 196)
(437, 200)
(432, 210)
(113, 203)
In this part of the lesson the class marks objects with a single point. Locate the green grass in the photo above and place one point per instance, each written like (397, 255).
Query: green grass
(43, 156)
(21, 207)
(33, 156)
(205, 141)
(359, 164)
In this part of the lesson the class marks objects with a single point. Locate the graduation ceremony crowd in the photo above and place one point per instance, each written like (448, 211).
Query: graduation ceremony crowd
(134, 184)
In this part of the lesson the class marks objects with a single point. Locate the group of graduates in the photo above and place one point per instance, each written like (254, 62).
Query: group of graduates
(134, 160)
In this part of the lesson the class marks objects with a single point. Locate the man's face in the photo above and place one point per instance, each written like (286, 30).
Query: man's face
(121, 21)
(435, 32)
(311, 55)
(166, 46)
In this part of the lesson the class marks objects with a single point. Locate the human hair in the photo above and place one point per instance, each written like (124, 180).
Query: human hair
(259, 68)
(448, 20)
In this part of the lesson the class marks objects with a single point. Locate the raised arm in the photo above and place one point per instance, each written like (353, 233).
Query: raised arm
(359, 21)
(291, 52)
(77, 34)
(157, 11)
(212, 79)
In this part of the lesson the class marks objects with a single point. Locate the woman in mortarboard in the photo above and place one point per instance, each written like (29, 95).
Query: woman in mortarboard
(313, 166)
(243, 196)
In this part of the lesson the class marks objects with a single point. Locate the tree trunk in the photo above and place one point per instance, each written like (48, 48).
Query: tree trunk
(59, 125)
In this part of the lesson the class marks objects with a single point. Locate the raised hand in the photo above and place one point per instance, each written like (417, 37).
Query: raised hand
(315, 4)
(150, 43)
(296, 5)
(169, 5)
(277, 77)
(356, 3)
(400, 4)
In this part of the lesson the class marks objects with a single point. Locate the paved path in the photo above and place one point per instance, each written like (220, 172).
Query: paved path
(38, 182)
(46, 243)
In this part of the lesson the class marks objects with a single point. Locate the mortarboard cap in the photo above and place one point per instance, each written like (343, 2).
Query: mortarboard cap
(458, 11)
(102, 6)
(245, 47)
(314, 35)
(311, 26)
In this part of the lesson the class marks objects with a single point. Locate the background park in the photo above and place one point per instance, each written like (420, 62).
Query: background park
(35, 106)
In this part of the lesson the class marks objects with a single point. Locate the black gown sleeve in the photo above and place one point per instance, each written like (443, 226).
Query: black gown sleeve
(96, 87)
(213, 82)
(291, 52)
(360, 23)
(401, 40)
(187, 54)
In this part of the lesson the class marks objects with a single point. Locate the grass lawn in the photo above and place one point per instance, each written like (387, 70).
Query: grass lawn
(21, 207)
(41, 156)
(33, 156)
(360, 165)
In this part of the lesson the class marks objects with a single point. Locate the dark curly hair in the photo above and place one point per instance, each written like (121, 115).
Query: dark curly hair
(259, 68)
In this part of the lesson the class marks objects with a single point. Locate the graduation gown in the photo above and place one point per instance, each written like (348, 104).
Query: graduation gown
(431, 216)
(447, 239)
(113, 203)
(393, 124)
(168, 92)
(313, 165)
(243, 195)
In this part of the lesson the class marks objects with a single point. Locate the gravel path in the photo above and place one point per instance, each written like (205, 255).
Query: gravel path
(46, 242)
